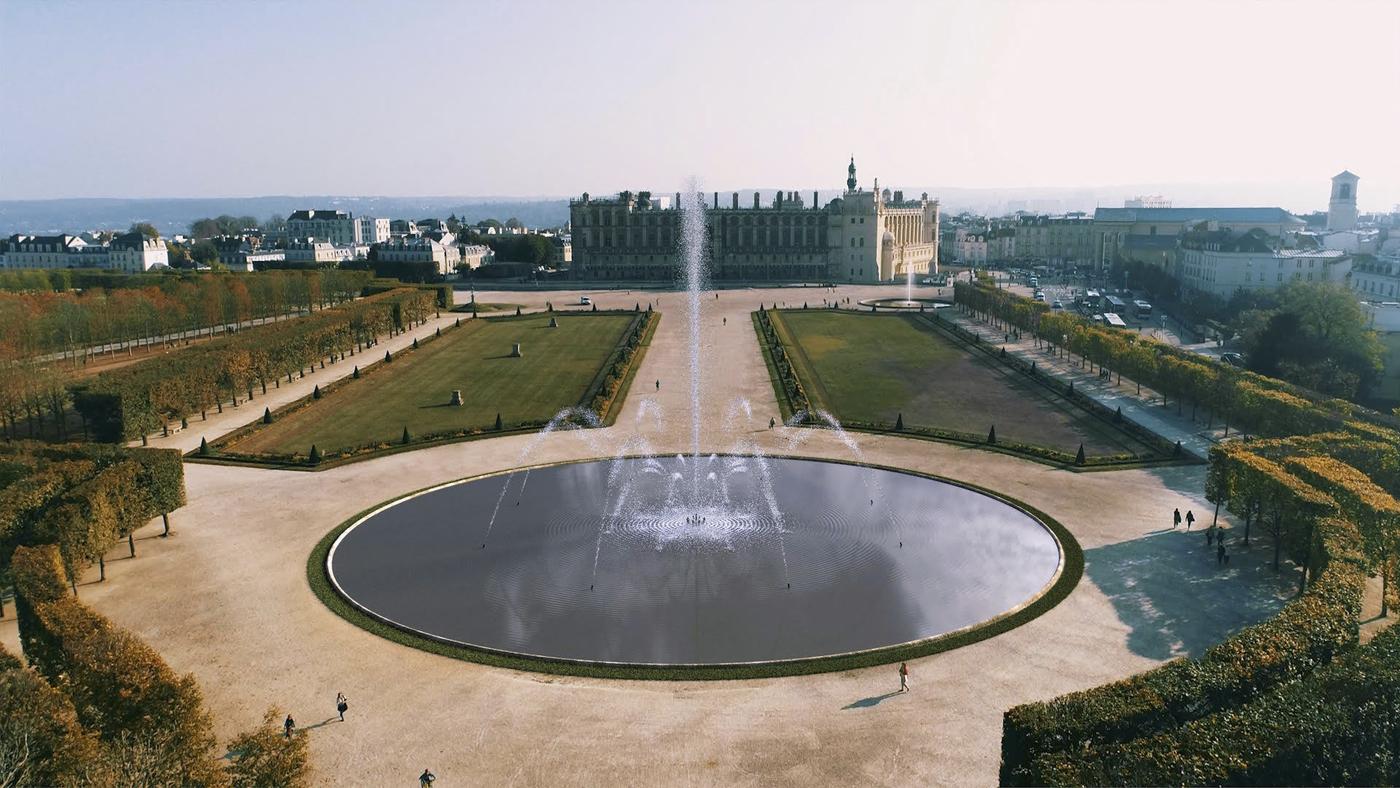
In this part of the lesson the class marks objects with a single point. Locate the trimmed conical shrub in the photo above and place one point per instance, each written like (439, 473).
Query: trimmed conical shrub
(355, 373)
(406, 437)
(517, 311)
(184, 423)
(1118, 415)
(1176, 452)
(415, 343)
(203, 447)
(267, 415)
(899, 422)
(316, 392)
(595, 308)
(638, 307)
(438, 332)
(498, 422)
(992, 435)
(1071, 387)
(315, 458)
(387, 357)
(1079, 458)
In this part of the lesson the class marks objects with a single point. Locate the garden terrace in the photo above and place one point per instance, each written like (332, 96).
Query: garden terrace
(584, 362)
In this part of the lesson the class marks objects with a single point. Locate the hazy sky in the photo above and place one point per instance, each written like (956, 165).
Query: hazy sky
(173, 99)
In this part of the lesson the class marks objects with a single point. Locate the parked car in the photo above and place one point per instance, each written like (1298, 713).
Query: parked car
(1233, 359)
(584, 300)
(1057, 305)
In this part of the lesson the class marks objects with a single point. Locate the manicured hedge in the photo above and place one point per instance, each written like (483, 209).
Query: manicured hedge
(84, 497)
(37, 719)
(134, 401)
(119, 686)
(1306, 634)
(1339, 727)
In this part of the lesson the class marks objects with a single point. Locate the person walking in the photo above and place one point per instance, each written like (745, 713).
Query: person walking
(658, 388)
(425, 780)
(903, 677)
(288, 725)
(772, 422)
(1190, 519)
(341, 705)
(1220, 550)
(1176, 518)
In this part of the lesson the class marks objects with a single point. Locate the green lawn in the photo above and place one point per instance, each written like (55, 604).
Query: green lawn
(556, 368)
(872, 367)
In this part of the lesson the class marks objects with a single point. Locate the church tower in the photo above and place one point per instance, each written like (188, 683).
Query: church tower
(851, 176)
(1341, 209)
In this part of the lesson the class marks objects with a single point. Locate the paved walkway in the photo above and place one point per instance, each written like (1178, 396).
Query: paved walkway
(226, 597)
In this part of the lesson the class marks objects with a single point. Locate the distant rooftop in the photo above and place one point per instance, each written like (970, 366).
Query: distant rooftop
(1241, 215)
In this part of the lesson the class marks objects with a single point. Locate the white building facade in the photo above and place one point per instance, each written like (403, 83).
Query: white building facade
(336, 227)
(1221, 273)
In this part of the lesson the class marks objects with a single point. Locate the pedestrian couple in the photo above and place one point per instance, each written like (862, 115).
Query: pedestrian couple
(1176, 518)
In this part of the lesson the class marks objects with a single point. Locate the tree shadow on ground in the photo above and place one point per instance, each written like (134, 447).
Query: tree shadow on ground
(873, 700)
(1176, 599)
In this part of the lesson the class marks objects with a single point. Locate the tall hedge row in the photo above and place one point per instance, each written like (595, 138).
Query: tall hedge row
(1307, 633)
(41, 740)
(133, 401)
(119, 686)
(84, 497)
(1339, 727)
(1257, 403)
(1285, 701)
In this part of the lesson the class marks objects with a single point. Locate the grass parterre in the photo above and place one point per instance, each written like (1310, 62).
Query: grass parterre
(888, 371)
(582, 361)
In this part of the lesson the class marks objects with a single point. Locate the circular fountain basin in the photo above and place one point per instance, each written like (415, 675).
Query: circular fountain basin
(644, 561)
(907, 303)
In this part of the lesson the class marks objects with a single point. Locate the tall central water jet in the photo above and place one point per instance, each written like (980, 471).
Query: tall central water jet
(692, 209)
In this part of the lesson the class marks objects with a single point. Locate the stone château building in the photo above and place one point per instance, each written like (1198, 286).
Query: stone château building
(861, 236)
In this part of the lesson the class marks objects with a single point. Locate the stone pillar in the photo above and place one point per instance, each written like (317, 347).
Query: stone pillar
(755, 199)
(716, 201)
(736, 201)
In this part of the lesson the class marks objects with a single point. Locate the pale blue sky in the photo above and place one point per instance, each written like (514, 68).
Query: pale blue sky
(174, 99)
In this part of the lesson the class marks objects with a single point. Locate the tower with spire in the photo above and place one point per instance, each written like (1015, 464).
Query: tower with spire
(851, 176)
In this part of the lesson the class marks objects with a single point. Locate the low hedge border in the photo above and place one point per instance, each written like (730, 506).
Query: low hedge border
(220, 455)
(1071, 570)
(1308, 633)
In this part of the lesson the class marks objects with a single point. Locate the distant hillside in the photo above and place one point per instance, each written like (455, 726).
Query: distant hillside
(172, 216)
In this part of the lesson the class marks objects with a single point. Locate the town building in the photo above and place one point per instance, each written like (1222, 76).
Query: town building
(307, 251)
(1147, 201)
(1376, 278)
(474, 256)
(861, 236)
(44, 251)
(370, 231)
(1066, 239)
(1221, 262)
(1150, 235)
(336, 227)
(135, 253)
(443, 253)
